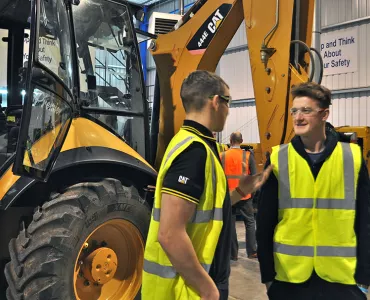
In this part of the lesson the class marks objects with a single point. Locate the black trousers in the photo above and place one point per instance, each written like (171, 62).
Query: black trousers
(224, 294)
(234, 238)
(314, 289)
(245, 208)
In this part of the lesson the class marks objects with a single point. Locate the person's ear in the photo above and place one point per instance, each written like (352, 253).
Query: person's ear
(215, 102)
(326, 113)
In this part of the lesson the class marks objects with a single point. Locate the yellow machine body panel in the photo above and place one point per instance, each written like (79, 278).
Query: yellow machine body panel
(82, 133)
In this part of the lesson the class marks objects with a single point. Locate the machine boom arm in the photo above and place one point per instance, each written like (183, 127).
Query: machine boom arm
(201, 40)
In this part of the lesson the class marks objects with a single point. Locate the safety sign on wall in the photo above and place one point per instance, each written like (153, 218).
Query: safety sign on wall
(339, 51)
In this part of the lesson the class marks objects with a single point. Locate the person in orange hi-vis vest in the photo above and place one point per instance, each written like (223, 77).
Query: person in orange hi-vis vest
(237, 162)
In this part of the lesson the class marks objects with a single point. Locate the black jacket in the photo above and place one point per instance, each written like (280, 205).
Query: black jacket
(267, 216)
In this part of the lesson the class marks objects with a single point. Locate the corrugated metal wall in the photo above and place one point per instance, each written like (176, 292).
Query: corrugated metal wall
(239, 39)
(351, 99)
(242, 117)
(351, 109)
(339, 11)
(237, 75)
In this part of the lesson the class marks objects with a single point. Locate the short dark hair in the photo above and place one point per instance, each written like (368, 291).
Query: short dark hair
(198, 87)
(314, 91)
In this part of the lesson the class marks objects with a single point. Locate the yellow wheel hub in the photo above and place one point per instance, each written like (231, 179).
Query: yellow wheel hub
(100, 266)
(110, 262)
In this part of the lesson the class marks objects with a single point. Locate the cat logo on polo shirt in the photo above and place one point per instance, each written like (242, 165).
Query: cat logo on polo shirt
(183, 179)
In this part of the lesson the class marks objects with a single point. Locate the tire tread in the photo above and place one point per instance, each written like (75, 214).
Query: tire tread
(42, 250)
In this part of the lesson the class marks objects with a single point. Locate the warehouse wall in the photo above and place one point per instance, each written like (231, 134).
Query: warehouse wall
(242, 118)
(339, 11)
(351, 99)
(351, 109)
(237, 75)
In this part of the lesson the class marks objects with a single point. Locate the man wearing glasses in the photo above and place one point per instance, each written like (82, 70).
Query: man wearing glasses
(187, 254)
(313, 221)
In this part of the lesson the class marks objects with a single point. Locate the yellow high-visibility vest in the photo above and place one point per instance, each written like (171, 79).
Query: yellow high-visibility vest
(221, 147)
(160, 279)
(316, 218)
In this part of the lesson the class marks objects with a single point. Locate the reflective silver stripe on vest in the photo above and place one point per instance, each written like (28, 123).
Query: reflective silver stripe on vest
(165, 271)
(320, 203)
(335, 204)
(295, 203)
(285, 200)
(204, 216)
(200, 216)
(349, 173)
(293, 250)
(244, 169)
(309, 250)
(214, 179)
(172, 151)
(336, 251)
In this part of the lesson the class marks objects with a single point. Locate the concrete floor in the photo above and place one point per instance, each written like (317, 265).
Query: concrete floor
(245, 281)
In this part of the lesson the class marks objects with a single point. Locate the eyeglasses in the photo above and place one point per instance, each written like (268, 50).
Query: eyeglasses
(304, 110)
(227, 99)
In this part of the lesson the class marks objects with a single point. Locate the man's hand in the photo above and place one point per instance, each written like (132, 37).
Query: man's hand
(248, 184)
(251, 183)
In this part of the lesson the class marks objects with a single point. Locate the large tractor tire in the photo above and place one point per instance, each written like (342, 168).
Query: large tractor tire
(86, 243)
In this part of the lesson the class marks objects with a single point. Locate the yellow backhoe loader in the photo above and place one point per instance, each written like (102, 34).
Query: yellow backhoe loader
(77, 164)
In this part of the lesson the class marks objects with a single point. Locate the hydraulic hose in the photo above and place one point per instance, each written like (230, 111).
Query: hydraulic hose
(321, 64)
(311, 57)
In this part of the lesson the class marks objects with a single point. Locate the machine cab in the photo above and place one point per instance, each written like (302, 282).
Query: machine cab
(73, 59)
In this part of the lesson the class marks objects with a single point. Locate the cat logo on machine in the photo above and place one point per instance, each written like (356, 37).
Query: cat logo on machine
(204, 35)
(216, 21)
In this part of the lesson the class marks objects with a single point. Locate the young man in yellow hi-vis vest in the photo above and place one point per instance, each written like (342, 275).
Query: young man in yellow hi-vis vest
(188, 246)
(313, 220)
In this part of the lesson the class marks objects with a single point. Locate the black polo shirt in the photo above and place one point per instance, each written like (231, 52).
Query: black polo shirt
(190, 164)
